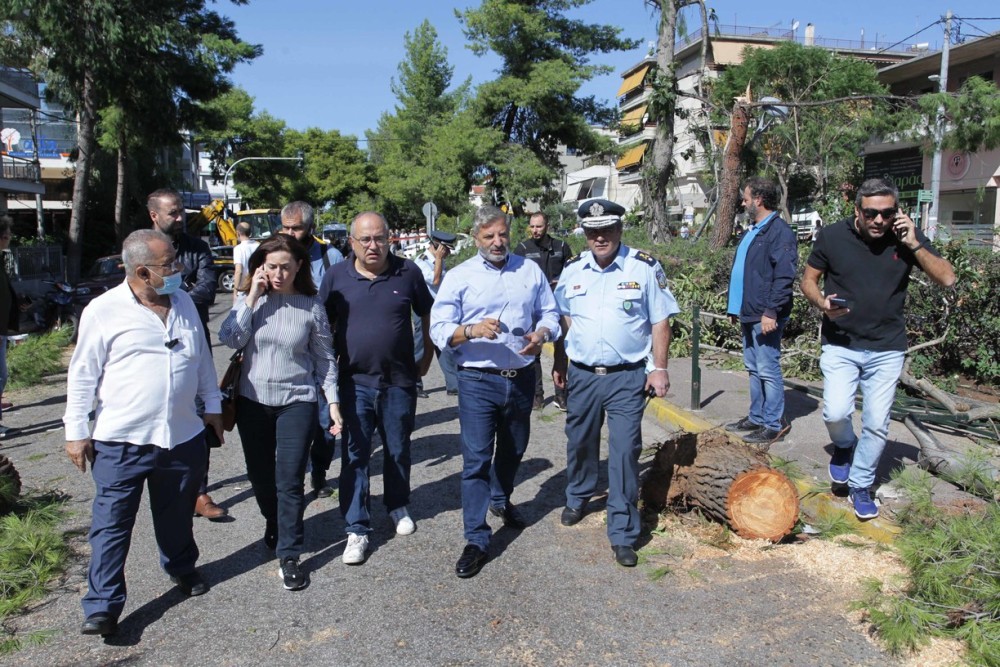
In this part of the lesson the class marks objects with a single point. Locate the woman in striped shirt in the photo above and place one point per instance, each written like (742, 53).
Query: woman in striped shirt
(285, 337)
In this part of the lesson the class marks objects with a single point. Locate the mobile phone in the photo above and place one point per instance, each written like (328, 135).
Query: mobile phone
(838, 302)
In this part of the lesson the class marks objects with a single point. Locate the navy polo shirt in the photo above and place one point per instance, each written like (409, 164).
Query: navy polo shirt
(371, 321)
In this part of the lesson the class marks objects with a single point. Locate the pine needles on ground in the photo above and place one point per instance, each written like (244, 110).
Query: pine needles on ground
(953, 588)
(33, 552)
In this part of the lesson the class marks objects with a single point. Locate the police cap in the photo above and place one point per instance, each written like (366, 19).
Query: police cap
(600, 213)
(443, 237)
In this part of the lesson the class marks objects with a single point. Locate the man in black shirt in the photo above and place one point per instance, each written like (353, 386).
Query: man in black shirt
(370, 302)
(865, 263)
(551, 256)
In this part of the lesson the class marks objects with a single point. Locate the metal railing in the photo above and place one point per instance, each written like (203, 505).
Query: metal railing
(20, 169)
(35, 262)
(784, 34)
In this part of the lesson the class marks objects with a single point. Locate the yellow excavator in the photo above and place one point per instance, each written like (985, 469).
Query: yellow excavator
(214, 222)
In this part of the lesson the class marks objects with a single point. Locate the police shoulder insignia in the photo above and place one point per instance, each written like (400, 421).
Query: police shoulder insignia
(575, 258)
(645, 257)
(661, 278)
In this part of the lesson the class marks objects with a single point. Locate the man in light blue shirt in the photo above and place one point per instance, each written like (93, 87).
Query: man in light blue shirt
(615, 306)
(495, 311)
(297, 221)
(431, 264)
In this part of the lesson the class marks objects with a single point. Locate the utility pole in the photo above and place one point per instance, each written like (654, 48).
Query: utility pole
(36, 163)
(932, 217)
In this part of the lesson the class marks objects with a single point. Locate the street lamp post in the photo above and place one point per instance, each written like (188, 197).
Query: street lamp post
(300, 158)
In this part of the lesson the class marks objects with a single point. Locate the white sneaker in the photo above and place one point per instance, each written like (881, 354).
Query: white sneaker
(357, 547)
(401, 518)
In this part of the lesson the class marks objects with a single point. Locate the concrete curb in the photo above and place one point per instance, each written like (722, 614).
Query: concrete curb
(811, 503)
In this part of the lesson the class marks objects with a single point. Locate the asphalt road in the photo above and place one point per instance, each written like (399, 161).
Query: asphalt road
(549, 595)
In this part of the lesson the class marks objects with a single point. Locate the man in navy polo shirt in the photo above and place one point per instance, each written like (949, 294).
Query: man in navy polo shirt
(370, 301)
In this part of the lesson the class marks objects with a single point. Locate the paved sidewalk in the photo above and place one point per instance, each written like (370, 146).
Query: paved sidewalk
(550, 595)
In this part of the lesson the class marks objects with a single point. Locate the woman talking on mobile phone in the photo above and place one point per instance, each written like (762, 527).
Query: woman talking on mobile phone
(285, 337)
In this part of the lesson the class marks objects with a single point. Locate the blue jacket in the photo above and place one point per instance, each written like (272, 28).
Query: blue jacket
(768, 273)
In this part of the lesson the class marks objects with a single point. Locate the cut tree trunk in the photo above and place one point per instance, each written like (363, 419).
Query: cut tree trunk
(727, 480)
(10, 484)
(950, 460)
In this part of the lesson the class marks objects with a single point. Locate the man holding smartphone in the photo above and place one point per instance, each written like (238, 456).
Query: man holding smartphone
(865, 263)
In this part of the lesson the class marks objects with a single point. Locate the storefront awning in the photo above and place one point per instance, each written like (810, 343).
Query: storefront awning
(632, 156)
(633, 80)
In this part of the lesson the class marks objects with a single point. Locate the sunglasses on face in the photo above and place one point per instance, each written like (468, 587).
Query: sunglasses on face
(888, 214)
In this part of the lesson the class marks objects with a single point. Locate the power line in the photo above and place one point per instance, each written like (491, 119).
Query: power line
(909, 37)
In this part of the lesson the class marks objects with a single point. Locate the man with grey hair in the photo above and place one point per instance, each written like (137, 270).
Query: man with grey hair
(297, 221)
(370, 302)
(495, 311)
(140, 361)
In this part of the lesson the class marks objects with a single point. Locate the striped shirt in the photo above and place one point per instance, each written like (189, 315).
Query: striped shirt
(289, 350)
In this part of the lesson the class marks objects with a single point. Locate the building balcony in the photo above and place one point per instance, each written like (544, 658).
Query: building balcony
(18, 89)
(20, 176)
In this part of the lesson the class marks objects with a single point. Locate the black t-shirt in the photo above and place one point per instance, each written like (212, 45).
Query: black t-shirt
(371, 322)
(873, 277)
(549, 253)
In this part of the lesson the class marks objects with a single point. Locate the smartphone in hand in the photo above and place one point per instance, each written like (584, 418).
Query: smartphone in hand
(838, 302)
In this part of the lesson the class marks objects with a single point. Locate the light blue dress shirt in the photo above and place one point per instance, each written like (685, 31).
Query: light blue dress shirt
(735, 302)
(613, 309)
(517, 294)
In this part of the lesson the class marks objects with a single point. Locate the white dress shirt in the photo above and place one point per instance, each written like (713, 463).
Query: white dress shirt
(142, 390)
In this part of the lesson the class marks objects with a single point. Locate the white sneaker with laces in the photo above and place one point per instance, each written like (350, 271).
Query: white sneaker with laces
(357, 547)
(401, 519)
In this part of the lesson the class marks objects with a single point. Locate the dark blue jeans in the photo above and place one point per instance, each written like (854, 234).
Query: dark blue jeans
(275, 446)
(323, 443)
(762, 358)
(391, 411)
(120, 470)
(494, 414)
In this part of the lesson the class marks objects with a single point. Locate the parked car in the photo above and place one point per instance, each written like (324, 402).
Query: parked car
(222, 256)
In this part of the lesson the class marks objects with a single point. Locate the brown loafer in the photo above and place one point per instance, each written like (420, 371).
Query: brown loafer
(206, 507)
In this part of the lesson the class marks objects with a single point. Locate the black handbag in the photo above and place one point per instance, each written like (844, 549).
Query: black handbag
(230, 388)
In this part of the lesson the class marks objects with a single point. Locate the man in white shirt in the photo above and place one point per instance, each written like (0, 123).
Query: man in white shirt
(141, 359)
(241, 257)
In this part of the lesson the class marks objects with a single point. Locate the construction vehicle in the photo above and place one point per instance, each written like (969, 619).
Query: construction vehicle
(212, 221)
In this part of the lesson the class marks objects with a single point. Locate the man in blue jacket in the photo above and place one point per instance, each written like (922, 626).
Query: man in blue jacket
(760, 299)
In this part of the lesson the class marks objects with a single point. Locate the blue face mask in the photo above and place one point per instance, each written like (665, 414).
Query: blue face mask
(170, 283)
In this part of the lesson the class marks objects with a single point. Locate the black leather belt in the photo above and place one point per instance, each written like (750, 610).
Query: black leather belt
(502, 372)
(604, 370)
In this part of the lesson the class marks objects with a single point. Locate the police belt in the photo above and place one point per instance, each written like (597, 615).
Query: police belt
(502, 372)
(604, 370)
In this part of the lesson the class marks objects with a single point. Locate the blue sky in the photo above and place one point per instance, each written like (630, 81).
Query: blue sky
(329, 63)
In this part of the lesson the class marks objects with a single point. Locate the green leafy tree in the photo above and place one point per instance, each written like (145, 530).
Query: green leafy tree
(430, 148)
(972, 116)
(335, 170)
(534, 102)
(817, 147)
(95, 54)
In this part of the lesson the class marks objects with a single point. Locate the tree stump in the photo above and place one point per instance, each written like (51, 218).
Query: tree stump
(727, 480)
(10, 484)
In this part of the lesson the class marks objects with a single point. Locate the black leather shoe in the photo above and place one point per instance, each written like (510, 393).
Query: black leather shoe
(190, 584)
(625, 556)
(570, 516)
(765, 436)
(743, 424)
(511, 517)
(471, 562)
(100, 623)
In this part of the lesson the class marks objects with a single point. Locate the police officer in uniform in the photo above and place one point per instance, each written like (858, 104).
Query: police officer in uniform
(615, 307)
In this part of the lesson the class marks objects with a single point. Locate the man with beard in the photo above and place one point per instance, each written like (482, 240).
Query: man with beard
(760, 301)
(495, 311)
(166, 210)
(865, 263)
